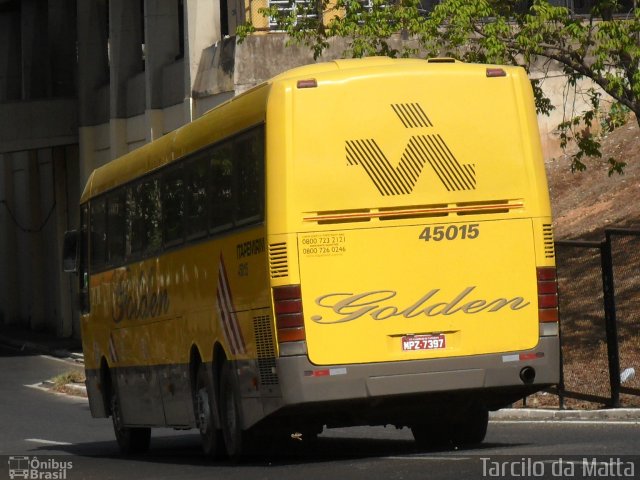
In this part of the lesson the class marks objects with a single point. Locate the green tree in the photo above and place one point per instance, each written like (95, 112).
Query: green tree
(603, 47)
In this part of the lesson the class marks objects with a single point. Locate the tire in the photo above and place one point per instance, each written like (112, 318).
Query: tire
(432, 436)
(131, 440)
(205, 408)
(473, 430)
(236, 440)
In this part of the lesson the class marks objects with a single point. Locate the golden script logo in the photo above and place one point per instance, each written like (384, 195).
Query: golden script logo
(378, 304)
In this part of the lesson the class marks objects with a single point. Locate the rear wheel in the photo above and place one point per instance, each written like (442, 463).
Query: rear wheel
(473, 429)
(432, 436)
(130, 439)
(205, 408)
(236, 440)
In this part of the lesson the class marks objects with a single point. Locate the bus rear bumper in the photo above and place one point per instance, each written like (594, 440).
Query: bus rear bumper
(302, 382)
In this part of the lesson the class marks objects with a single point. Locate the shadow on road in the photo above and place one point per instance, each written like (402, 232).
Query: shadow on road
(185, 450)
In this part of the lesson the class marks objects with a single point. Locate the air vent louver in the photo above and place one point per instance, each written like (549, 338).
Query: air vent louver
(547, 233)
(278, 264)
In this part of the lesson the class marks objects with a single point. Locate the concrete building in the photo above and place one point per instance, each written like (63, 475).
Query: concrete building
(85, 81)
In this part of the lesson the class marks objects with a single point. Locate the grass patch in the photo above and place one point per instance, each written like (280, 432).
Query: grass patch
(65, 383)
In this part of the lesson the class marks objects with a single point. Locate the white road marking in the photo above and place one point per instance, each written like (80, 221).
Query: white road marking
(428, 458)
(37, 386)
(46, 442)
(62, 360)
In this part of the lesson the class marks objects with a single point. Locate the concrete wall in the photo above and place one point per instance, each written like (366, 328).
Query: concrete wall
(38, 162)
(37, 187)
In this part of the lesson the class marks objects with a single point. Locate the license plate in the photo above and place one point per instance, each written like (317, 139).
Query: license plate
(423, 342)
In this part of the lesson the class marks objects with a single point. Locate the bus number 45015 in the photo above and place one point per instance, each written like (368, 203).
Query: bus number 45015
(450, 232)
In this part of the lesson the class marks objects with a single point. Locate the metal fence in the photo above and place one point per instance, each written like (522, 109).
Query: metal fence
(599, 285)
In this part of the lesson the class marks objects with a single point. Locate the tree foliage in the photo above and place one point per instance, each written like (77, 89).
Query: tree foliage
(603, 47)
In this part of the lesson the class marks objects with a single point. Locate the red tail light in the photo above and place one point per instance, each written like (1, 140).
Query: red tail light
(547, 294)
(287, 302)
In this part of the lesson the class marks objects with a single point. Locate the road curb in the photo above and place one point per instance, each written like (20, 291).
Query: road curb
(542, 415)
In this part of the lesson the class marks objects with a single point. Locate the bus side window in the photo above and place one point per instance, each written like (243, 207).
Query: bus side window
(144, 232)
(116, 224)
(249, 173)
(197, 192)
(98, 235)
(222, 187)
(83, 267)
(152, 213)
(173, 206)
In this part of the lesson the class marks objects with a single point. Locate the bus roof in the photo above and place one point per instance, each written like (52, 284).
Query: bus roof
(231, 117)
(237, 114)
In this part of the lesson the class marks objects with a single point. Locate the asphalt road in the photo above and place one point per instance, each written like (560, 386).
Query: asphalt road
(59, 432)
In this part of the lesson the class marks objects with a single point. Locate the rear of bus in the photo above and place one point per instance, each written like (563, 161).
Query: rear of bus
(410, 242)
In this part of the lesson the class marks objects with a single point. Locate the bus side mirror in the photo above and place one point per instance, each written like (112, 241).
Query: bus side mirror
(70, 252)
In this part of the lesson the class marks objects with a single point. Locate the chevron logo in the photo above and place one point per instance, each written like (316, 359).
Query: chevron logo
(420, 151)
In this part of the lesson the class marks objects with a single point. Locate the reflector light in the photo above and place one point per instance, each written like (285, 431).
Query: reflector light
(317, 373)
(531, 356)
(308, 83)
(496, 72)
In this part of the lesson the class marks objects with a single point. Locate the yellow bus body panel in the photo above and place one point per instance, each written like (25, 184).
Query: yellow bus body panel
(152, 312)
(368, 165)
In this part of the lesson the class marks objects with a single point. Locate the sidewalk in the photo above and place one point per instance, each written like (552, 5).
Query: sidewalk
(70, 349)
(42, 343)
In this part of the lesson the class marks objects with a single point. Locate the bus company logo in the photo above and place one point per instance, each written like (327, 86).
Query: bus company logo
(138, 298)
(34, 468)
(421, 150)
(378, 305)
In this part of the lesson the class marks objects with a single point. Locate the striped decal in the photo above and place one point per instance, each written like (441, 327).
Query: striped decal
(388, 180)
(400, 180)
(226, 313)
(411, 115)
(451, 173)
(420, 150)
(112, 350)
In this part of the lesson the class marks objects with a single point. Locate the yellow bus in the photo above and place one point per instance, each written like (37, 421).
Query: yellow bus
(359, 242)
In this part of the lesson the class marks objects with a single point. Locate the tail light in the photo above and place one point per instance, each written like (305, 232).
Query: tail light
(287, 302)
(547, 294)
